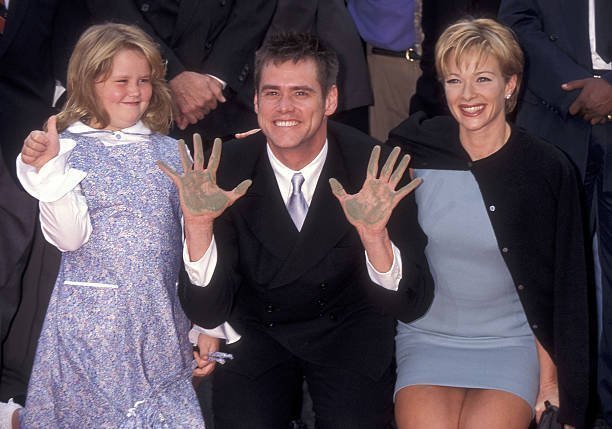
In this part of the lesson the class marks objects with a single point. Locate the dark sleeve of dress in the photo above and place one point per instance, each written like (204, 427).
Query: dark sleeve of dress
(572, 317)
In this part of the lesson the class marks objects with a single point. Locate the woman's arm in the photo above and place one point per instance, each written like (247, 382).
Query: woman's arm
(549, 387)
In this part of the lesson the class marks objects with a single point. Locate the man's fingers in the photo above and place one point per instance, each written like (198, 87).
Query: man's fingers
(241, 189)
(198, 152)
(575, 107)
(373, 163)
(337, 189)
(247, 133)
(574, 84)
(215, 158)
(387, 169)
(405, 190)
(184, 155)
(399, 171)
(168, 171)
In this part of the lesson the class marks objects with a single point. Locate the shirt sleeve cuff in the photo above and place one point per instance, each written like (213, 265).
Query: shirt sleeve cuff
(200, 272)
(221, 81)
(224, 332)
(55, 179)
(389, 280)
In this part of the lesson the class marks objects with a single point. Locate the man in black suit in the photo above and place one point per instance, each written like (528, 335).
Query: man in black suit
(209, 46)
(568, 102)
(283, 261)
(35, 44)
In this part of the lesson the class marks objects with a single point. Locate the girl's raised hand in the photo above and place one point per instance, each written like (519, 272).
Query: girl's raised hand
(41, 146)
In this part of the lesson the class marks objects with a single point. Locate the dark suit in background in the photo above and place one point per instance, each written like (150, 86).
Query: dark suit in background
(304, 300)
(34, 51)
(554, 35)
(436, 15)
(331, 21)
(216, 37)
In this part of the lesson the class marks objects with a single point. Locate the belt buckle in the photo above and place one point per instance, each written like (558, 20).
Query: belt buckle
(411, 55)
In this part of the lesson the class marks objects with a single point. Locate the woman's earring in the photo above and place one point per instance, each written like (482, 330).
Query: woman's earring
(508, 96)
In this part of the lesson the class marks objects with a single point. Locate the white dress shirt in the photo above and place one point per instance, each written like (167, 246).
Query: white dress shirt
(598, 62)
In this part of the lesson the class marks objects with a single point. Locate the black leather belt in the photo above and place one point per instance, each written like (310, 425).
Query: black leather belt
(410, 54)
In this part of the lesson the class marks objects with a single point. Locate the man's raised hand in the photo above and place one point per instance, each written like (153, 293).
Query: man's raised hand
(369, 210)
(200, 196)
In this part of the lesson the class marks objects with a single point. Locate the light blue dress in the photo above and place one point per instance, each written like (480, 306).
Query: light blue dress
(475, 334)
(114, 351)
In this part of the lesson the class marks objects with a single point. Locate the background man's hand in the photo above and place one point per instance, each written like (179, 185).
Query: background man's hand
(195, 95)
(594, 102)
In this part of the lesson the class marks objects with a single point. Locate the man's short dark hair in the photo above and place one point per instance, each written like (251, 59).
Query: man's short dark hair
(291, 46)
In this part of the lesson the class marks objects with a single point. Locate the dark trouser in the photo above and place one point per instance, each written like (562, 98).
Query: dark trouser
(19, 347)
(598, 186)
(342, 399)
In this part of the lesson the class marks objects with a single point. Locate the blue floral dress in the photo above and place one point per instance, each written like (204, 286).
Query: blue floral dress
(114, 351)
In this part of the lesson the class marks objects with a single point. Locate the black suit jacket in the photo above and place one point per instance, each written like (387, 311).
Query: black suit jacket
(217, 37)
(307, 293)
(554, 35)
(34, 51)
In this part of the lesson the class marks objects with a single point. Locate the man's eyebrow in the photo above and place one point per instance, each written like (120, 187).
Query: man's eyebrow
(292, 88)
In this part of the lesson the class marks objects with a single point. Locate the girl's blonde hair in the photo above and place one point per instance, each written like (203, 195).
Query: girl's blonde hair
(482, 37)
(91, 62)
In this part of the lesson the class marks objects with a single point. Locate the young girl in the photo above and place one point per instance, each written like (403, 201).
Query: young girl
(114, 350)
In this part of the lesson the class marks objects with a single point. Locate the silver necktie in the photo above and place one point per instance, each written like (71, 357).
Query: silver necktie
(297, 205)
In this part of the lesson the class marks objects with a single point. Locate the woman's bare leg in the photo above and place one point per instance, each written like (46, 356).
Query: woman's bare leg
(429, 407)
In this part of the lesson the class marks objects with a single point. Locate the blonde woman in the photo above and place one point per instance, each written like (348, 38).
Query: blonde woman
(508, 328)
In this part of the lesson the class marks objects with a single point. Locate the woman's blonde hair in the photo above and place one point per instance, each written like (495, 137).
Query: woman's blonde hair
(483, 37)
(92, 60)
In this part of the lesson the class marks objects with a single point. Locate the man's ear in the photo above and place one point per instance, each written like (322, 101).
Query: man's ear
(331, 100)
(255, 103)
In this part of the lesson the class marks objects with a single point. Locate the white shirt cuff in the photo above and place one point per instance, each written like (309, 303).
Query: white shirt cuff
(224, 332)
(55, 179)
(221, 81)
(389, 280)
(200, 272)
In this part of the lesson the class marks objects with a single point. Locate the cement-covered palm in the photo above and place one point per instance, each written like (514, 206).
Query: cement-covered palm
(371, 208)
(200, 196)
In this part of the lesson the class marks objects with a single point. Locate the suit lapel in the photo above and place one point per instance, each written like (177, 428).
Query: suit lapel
(265, 213)
(324, 226)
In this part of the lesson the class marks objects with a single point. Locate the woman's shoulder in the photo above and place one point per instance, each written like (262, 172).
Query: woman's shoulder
(541, 154)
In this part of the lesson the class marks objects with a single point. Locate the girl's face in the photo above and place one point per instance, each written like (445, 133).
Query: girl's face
(125, 94)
